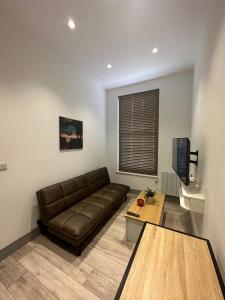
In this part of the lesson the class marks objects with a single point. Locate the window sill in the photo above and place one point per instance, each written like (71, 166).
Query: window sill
(136, 174)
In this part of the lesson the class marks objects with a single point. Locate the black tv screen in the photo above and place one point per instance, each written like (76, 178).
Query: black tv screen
(181, 158)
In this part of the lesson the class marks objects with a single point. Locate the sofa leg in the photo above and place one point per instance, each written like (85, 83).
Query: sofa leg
(41, 227)
(79, 250)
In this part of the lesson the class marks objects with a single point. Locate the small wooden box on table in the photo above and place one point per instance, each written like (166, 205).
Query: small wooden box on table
(152, 213)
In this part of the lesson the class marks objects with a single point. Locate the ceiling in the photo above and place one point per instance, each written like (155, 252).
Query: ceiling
(120, 32)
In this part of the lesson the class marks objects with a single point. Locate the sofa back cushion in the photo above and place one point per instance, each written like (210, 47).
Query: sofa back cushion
(56, 198)
(97, 179)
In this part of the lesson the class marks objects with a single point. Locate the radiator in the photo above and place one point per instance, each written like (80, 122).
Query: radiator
(170, 184)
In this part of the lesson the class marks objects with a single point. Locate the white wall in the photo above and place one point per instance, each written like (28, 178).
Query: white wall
(36, 87)
(208, 126)
(174, 121)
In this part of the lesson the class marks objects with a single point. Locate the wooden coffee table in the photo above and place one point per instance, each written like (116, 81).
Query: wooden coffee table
(152, 213)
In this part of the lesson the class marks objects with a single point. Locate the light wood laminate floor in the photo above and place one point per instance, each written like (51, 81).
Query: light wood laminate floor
(43, 270)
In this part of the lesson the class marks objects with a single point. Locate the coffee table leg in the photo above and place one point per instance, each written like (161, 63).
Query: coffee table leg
(133, 229)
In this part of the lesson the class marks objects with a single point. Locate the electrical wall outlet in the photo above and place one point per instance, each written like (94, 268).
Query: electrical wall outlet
(3, 166)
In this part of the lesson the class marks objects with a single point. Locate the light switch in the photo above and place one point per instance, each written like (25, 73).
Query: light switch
(3, 166)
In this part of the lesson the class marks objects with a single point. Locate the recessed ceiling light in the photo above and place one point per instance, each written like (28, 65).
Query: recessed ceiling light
(155, 50)
(109, 66)
(71, 24)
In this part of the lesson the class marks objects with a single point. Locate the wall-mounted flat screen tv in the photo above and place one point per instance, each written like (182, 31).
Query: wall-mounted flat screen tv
(181, 158)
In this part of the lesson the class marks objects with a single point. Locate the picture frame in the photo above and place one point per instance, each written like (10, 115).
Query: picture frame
(70, 134)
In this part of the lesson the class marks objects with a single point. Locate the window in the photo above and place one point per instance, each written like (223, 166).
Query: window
(138, 132)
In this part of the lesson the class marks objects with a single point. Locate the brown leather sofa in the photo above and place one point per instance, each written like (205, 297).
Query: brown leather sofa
(73, 209)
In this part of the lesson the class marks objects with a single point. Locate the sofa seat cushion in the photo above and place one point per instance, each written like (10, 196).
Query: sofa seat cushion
(76, 220)
(113, 188)
(119, 188)
(104, 203)
(89, 210)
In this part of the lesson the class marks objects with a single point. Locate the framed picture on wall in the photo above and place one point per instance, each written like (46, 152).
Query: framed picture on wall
(70, 134)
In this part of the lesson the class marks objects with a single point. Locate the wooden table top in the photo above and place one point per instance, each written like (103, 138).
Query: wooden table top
(149, 212)
(170, 265)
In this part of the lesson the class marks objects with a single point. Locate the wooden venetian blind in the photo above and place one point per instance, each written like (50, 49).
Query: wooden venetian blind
(138, 132)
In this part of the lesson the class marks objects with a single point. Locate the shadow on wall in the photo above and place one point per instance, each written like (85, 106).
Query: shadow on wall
(208, 127)
(204, 66)
(34, 216)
